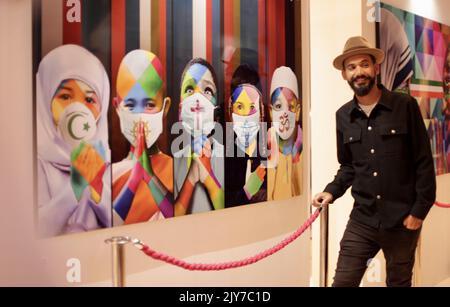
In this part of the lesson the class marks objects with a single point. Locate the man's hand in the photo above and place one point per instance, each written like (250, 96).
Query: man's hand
(322, 199)
(412, 223)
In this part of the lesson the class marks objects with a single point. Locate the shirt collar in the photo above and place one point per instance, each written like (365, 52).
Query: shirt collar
(385, 100)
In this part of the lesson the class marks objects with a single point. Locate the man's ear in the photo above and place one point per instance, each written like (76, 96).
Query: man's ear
(377, 69)
(168, 103)
(343, 75)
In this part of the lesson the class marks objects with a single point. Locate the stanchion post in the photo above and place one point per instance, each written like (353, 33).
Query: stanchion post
(324, 247)
(118, 260)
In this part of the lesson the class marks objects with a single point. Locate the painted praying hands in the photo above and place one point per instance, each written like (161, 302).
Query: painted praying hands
(200, 172)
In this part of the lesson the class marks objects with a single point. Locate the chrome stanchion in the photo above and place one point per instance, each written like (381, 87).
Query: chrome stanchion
(118, 260)
(324, 246)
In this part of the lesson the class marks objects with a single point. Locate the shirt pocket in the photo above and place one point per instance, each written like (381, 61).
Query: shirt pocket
(352, 139)
(394, 138)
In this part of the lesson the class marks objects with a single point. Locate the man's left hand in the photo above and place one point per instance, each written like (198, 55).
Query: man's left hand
(412, 223)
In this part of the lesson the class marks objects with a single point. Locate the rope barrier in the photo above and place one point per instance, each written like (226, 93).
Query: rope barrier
(442, 205)
(227, 265)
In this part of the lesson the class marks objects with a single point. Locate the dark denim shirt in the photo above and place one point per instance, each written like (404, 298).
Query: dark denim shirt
(387, 160)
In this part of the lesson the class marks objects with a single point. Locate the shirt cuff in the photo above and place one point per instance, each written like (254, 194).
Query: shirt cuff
(420, 211)
(333, 190)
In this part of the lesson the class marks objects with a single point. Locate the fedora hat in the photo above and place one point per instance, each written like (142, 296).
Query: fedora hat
(358, 45)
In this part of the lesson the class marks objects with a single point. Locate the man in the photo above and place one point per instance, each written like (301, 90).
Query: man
(385, 155)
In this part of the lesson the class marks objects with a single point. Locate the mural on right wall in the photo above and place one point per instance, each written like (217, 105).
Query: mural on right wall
(418, 63)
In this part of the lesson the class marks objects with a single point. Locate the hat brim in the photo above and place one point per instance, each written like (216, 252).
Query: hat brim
(379, 55)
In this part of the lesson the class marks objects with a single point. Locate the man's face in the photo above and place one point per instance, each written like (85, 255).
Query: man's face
(199, 79)
(360, 72)
(245, 101)
(71, 91)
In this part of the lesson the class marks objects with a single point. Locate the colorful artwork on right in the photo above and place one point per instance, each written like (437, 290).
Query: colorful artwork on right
(418, 63)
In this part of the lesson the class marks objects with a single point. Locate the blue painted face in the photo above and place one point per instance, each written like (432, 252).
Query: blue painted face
(137, 101)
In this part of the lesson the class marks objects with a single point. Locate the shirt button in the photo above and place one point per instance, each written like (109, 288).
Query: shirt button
(378, 197)
(375, 174)
(370, 128)
(372, 151)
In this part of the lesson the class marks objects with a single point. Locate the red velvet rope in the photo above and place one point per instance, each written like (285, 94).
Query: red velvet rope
(228, 265)
(442, 205)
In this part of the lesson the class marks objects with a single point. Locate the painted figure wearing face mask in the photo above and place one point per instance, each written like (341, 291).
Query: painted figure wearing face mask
(72, 96)
(198, 166)
(198, 100)
(245, 180)
(142, 182)
(246, 114)
(285, 137)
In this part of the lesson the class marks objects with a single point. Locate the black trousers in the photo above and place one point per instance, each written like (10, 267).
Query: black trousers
(362, 243)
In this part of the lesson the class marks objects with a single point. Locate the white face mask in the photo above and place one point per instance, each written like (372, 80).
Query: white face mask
(284, 123)
(77, 124)
(153, 125)
(246, 128)
(197, 115)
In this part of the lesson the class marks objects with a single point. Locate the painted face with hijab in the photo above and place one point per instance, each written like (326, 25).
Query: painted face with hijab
(140, 101)
(198, 98)
(72, 98)
(72, 91)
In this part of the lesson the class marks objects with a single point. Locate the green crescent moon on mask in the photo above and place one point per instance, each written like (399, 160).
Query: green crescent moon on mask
(70, 127)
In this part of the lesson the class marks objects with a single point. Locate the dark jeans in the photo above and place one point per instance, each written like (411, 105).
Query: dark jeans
(362, 243)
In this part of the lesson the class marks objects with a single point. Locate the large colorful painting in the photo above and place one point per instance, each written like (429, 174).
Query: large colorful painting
(153, 109)
(418, 63)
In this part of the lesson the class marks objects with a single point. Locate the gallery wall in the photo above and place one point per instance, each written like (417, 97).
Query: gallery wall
(210, 237)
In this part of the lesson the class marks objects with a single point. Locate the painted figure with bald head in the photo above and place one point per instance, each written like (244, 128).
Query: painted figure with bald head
(143, 181)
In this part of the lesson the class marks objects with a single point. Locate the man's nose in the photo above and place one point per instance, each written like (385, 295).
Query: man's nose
(358, 71)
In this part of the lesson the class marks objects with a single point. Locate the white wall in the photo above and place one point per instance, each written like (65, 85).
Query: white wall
(226, 235)
(332, 23)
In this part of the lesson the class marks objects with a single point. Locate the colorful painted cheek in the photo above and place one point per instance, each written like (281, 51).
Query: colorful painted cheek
(57, 109)
(94, 109)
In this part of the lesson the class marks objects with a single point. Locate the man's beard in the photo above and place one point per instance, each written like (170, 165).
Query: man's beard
(362, 90)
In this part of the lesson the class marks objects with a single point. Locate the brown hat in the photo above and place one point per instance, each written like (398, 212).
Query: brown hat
(355, 46)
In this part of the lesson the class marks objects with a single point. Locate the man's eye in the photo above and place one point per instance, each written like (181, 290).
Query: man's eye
(89, 100)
